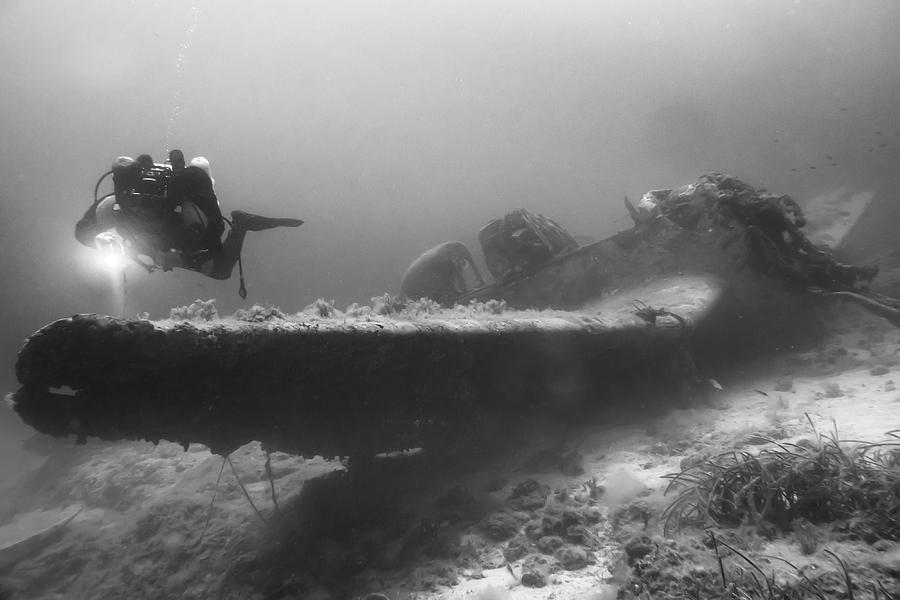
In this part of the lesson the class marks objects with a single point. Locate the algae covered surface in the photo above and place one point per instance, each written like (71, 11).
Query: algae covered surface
(373, 379)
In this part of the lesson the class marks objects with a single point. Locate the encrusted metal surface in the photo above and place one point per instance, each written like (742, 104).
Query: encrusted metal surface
(342, 386)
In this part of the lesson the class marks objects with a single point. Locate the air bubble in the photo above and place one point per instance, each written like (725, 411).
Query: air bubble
(183, 49)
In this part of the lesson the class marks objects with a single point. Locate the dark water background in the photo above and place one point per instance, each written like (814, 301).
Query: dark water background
(392, 126)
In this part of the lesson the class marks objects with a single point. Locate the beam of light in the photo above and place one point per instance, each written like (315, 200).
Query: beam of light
(110, 258)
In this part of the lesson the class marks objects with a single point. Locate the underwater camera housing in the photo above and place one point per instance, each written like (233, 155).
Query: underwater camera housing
(147, 190)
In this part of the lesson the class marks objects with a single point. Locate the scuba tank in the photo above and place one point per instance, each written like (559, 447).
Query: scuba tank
(193, 220)
(107, 213)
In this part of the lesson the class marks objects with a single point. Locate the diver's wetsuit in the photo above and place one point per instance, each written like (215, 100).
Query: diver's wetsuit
(203, 249)
(198, 244)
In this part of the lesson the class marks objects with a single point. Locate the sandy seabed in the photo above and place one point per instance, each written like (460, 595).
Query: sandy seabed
(561, 513)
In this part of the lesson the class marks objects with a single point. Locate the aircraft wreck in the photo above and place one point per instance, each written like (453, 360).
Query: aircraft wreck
(564, 325)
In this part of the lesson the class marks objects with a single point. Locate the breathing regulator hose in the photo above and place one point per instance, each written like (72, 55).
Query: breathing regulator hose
(242, 290)
(97, 187)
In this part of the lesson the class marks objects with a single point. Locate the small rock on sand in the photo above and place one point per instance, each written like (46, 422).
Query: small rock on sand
(832, 390)
(784, 384)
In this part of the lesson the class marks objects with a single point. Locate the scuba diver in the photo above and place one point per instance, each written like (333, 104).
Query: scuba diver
(164, 216)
